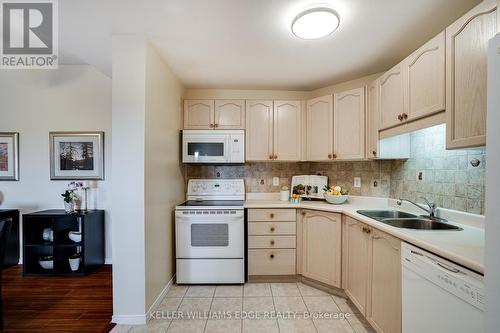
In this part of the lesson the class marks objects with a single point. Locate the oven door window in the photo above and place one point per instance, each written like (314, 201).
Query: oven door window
(199, 149)
(209, 235)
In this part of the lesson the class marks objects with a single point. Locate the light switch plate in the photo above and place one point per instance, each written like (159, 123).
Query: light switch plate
(357, 181)
(276, 181)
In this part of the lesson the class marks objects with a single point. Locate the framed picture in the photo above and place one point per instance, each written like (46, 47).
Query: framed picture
(9, 156)
(76, 155)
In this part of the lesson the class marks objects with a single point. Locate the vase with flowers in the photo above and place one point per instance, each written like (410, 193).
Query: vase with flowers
(68, 198)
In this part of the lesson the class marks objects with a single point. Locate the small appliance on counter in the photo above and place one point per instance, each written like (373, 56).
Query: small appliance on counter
(210, 232)
(308, 186)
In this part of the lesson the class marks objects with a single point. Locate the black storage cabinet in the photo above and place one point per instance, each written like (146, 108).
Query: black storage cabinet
(91, 246)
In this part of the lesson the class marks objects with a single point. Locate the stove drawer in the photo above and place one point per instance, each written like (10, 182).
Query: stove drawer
(279, 214)
(271, 242)
(271, 228)
(271, 262)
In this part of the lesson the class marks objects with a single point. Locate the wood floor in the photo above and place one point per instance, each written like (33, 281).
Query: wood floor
(57, 304)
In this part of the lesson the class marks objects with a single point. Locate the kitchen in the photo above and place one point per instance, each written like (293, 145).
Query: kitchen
(354, 193)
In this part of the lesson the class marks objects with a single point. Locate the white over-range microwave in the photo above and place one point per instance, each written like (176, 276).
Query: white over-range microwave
(213, 146)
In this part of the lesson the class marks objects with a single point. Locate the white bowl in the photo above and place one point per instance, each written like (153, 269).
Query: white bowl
(46, 264)
(336, 199)
(75, 236)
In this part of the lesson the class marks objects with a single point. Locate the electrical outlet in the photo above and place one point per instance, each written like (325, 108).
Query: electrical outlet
(262, 182)
(276, 181)
(420, 175)
(357, 181)
(218, 174)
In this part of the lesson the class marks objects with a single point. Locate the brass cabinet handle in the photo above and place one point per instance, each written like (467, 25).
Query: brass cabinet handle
(271, 215)
(272, 242)
(400, 117)
(374, 152)
(275, 157)
(271, 256)
(270, 157)
(303, 213)
(211, 125)
(329, 156)
(216, 125)
(272, 229)
(334, 156)
(405, 116)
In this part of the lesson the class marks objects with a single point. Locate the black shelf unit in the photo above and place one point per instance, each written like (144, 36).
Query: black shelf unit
(91, 246)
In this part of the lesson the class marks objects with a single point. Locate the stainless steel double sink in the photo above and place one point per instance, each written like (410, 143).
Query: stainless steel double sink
(400, 219)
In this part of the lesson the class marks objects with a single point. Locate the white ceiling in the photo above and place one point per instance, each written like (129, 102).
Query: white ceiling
(248, 43)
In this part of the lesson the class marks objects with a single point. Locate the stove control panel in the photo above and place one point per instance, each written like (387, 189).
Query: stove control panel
(217, 189)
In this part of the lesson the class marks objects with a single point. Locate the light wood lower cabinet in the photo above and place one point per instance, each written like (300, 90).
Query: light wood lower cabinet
(272, 241)
(321, 246)
(372, 274)
(355, 262)
(384, 290)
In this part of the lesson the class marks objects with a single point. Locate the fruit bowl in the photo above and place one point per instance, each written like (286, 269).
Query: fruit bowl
(336, 199)
(46, 262)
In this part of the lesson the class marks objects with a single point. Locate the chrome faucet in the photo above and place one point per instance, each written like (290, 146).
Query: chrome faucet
(432, 206)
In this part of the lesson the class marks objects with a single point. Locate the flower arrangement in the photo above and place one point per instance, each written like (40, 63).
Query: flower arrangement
(69, 196)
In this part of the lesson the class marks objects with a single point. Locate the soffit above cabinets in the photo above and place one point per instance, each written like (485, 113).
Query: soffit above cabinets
(242, 44)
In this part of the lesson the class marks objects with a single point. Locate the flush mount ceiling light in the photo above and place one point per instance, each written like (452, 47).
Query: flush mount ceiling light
(315, 23)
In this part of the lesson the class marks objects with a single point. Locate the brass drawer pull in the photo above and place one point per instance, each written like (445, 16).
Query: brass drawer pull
(271, 215)
(272, 242)
(271, 256)
(400, 117)
(374, 152)
(272, 229)
(329, 156)
(334, 156)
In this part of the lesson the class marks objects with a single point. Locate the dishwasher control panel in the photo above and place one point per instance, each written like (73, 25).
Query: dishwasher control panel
(455, 279)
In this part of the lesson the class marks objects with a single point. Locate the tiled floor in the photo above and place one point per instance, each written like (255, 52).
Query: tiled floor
(252, 308)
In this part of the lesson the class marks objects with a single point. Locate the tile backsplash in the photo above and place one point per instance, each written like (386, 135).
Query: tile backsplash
(447, 176)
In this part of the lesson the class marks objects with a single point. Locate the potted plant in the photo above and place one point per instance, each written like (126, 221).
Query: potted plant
(68, 197)
(74, 261)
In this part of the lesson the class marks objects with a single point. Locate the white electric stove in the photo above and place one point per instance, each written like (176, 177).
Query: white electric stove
(210, 232)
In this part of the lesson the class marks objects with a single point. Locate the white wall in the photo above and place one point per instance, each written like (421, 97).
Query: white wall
(492, 263)
(147, 176)
(35, 102)
(128, 179)
(164, 185)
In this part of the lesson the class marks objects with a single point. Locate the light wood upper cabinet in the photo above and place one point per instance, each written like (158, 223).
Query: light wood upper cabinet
(384, 300)
(372, 120)
(349, 124)
(229, 114)
(425, 79)
(355, 262)
(287, 130)
(259, 130)
(321, 247)
(320, 128)
(198, 114)
(466, 75)
(391, 97)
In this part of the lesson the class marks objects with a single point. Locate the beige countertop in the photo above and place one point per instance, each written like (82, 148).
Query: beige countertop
(464, 247)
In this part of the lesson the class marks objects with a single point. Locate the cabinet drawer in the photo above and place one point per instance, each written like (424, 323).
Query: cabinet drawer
(272, 215)
(271, 242)
(271, 262)
(271, 228)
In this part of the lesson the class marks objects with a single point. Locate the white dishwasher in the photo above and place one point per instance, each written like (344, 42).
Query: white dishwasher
(439, 296)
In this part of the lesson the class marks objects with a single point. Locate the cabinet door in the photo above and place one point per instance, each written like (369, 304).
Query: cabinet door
(384, 290)
(355, 262)
(320, 128)
(425, 79)
(321, 247)
(372, 120)
(349, 124)
(198, 114)
(259, 130)
(229, 114)
(287, 130)
(466, 74)
(391, 97)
